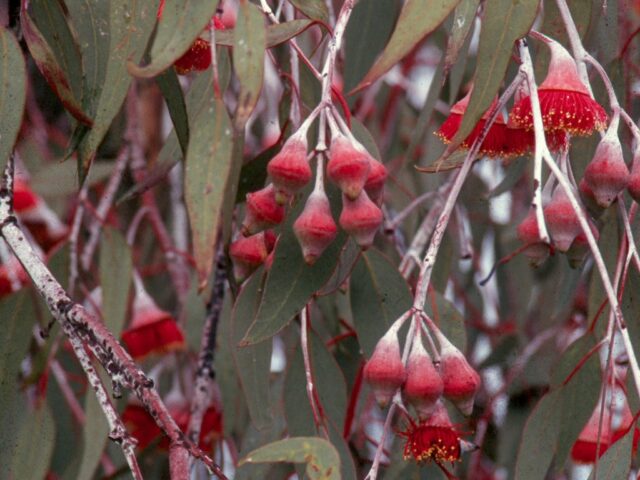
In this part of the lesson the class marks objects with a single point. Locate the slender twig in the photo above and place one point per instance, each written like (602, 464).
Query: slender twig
(73, 237)
(84, 328)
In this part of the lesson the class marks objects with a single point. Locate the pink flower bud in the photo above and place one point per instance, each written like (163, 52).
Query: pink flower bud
(289, 169)
(262, 211)
(384, 371)
(374, 186)
(461, 381)
(561, 220)
(348, 166)
(607, 174)
(315, 228)
(528, 233)
(424, 386)
(248, 253)
(360, 218)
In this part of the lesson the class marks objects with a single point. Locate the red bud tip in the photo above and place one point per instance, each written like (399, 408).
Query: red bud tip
(424, 386)
(263, 211)
(23, 197)
(384, 371)
(315, 227)
(460, 380)
(361, 219)
(197, 58)
(607, 174)
(561, 220)
(348, 166)
(289, 169)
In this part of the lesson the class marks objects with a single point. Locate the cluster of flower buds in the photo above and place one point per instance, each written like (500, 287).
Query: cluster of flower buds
(566, 104)
(605, 427)
(152, 331)
(424, 379)
(358, 175)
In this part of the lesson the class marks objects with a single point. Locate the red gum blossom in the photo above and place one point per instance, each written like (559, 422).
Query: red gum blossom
(348, 166)
(152, 331)
(360, 218)
(289, 169)
(460, 380)
(424, 386)
(262, 211)
(315, 228)
(384, 371)
(607, 174)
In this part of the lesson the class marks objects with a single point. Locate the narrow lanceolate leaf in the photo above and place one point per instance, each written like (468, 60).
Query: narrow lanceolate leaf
(181, 23)
(379, 295)
(130, 24)
(172, 93)
(276, 34)
(55, 52)
(616, 462)
(503, 22)
(323, 462)
(208, 163)
(417, 19)
(13, 83)
(314, 9)
(249, 43)
(253, 362)
(115, 278)
(463, 19)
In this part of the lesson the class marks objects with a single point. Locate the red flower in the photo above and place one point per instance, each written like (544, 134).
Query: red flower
(494, 144)
(152, 330)
(434, 439)
(565, 102)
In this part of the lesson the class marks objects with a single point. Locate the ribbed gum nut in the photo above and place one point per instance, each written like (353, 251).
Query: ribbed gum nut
(348, 166)
(607, 174)
(633, 187)
(561, 220)
(262, 211)
(461, 381)
(384, 371)
(580, 247)
(289, 169)
(361, 219)
(374, 186)
(248, 253)
(528, 233)
(315, 228)
(424, 386)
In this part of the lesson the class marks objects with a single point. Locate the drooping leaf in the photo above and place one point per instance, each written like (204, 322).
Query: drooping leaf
(249, 44)
(379, 295)
(445, 163)
(13, 83)
(172, 93)
(207, 168)
(503, 22)
(367, 33)
(56, 53)
(253, 362)
(314, 9)
(181, 23)
(417, 19)
(276, 34)
(323, 462)
(446, 316)
(463, 19)
(129, 27)
(27, 452)
(616, 461)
